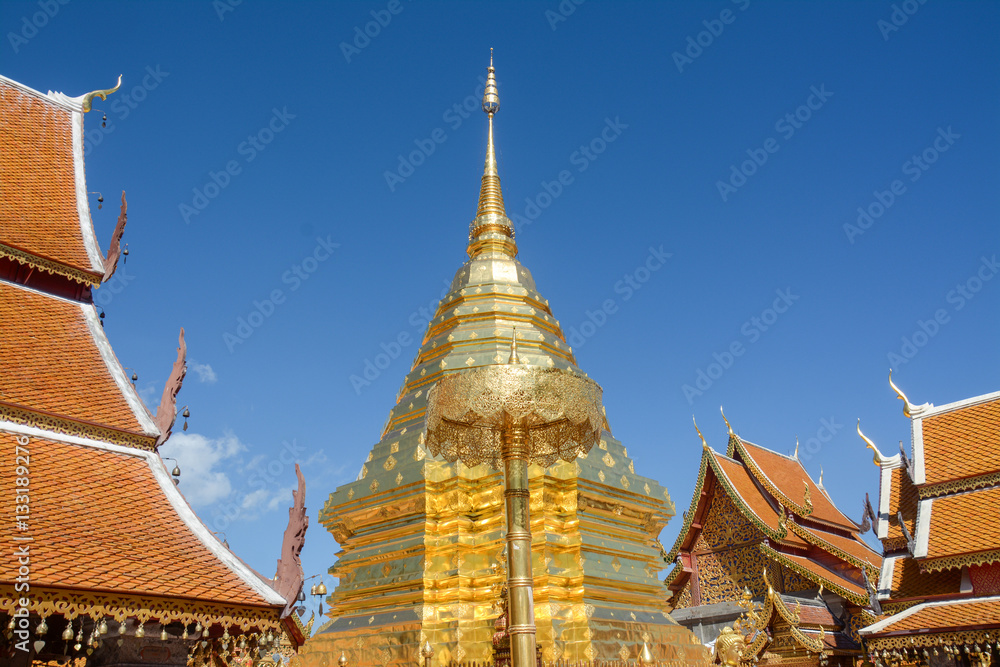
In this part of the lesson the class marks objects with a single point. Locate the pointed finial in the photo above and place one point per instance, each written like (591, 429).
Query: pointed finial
(820, 483)
(726, 420)
(796, 454)
(703, 443)
(646, 657)
(513, 359)
(492, 230)
(907, 406)
(87, 99)
(871, 445)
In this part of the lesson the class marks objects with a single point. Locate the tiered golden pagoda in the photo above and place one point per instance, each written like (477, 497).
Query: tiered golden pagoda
(423, 562)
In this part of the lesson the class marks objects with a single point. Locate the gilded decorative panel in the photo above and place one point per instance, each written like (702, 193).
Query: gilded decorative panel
(724, 525)
(723, 575)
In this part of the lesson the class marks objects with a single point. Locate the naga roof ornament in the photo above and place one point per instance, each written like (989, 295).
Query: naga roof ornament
(879, 457)
(703, 443)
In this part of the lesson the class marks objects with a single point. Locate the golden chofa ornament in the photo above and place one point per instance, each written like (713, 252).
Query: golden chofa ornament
(515, 415)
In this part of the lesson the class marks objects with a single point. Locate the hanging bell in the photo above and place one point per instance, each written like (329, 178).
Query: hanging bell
(104, 120)
(163, 635)
(140, 632)
(186, 414)
(103, 627)
(67, 634)
(42, 627)
(135, 377)
(100, 202)
(125, 254)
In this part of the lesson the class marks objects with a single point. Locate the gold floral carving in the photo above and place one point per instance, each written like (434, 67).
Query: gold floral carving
(390, 462)
(958, 485)
(49, 266)
(74, 604)
(940, 564)
(60, 426)
(723, 576)
(608, 460)
(724, 526)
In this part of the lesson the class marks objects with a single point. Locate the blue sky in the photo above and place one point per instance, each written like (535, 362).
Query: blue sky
(739, 137)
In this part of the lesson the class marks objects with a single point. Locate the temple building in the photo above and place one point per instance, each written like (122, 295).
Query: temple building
(764, 551)
(105, 563)
(422, 539)
(939, 523)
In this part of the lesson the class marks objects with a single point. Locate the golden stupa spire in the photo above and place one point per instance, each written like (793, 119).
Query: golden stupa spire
(490, 197)
(492, 230)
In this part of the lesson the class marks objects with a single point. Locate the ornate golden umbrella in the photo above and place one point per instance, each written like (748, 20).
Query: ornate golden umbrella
(516, 415)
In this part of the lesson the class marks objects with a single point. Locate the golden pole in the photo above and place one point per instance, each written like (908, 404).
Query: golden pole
(519, 576)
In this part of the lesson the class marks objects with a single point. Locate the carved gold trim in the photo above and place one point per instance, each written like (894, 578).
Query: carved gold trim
(72, 604)
(955, 486)
(931, 639)
(812, 538)
(950, 562)
(61, 426)
(776, 556)
(689, 515)
(747, 513)
(813, 645)
(49, 266)
(751, 465)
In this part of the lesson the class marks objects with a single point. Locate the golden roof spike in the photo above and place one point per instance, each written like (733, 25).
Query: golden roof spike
(907, 406)
(726, 420)
(103, 94)
(703, 443)
(512, 359)
(871, 445)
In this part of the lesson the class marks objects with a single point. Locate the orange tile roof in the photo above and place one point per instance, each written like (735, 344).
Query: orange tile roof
(829, 576)
(965, 523)
(942, 616)
(790, 478)
(751, 498)
(100, 520)
(49, 362)
(852, 545)
(39, 203)
(902, 497)
(964, 442)
(909, 582)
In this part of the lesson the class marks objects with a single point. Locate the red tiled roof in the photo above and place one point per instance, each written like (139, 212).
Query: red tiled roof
(751, 498)
(902, 497)
(909, 582)
(49, 362)
(965, 523)
(790, 478)
(852, 546)
(100, 520)
(964, 442)
(38, 209)
(943, 616)
(821, 573)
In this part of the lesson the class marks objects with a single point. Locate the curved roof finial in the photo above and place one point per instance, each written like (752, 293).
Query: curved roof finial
(103, 94)
(907, 406)
(871, 445)
(726, 420)
(703, 443)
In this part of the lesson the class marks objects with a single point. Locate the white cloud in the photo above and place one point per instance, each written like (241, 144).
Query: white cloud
(200, 459)
(204, 371)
